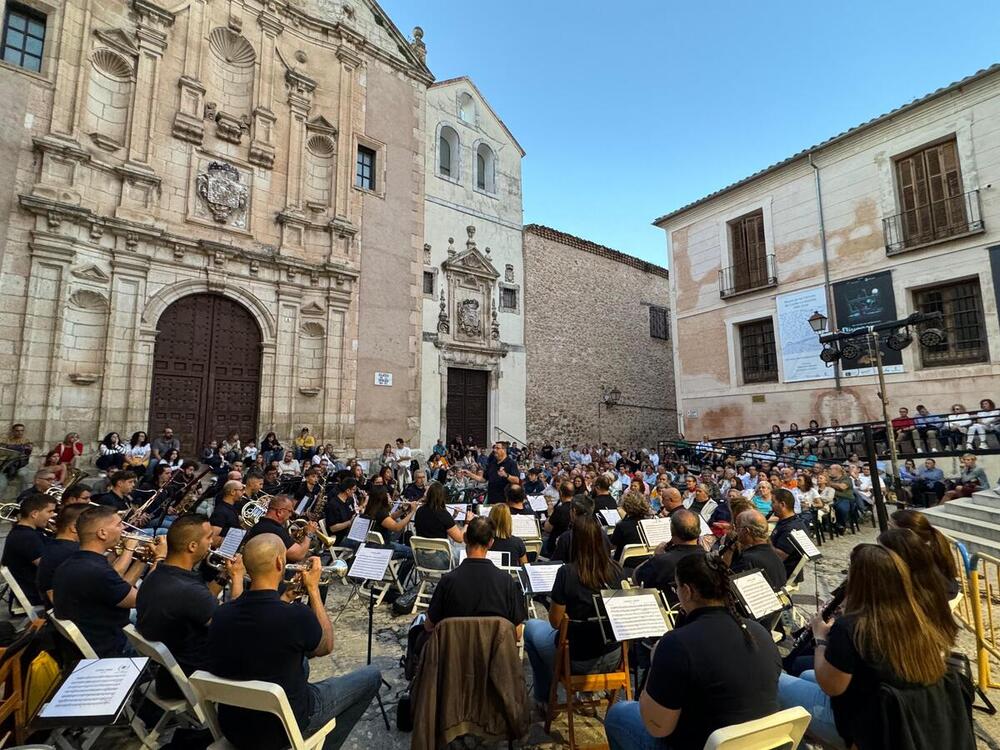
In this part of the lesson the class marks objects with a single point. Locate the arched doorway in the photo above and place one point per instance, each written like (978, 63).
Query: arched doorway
(206, 371)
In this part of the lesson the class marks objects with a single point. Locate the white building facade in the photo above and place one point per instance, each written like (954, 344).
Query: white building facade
(472, 358)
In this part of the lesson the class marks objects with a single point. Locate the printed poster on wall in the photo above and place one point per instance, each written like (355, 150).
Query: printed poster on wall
(862, 302)
(800, 345)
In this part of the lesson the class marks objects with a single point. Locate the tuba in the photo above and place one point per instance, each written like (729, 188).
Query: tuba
(10, 512)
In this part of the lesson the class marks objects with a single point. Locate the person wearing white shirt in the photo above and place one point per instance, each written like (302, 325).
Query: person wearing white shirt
(614, 457)
(654, 458)
(289, 465)
(585, 458)
(575, 457)
(402, 456)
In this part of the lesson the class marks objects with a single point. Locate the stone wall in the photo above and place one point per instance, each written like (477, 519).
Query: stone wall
(587, 328)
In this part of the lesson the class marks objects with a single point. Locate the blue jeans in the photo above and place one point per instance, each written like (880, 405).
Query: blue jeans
(540, 644)
(842, 508)
(345, 697)
(625, 730)
(803, 691)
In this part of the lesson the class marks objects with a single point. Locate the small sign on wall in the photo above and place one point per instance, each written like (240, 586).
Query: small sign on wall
(383, 378)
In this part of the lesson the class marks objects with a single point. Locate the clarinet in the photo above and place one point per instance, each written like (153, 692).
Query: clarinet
(804, 642)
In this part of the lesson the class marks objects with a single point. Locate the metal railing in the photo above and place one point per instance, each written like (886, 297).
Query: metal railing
(758, 273)
(937, 221)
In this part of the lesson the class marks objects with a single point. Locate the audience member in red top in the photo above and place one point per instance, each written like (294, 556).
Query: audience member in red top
(69, 449)
(905, 428)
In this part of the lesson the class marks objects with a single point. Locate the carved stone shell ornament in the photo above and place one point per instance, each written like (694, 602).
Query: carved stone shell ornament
(219, 186)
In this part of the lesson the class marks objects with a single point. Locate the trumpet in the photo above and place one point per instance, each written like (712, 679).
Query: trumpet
(145, 552)
(327, 575)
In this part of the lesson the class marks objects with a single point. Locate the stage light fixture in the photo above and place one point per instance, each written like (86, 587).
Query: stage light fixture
(899, 340)
(850, 350)
(829, 354)
(931, 337)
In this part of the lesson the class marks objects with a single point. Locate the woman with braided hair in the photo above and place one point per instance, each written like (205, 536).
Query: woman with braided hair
(718, 669)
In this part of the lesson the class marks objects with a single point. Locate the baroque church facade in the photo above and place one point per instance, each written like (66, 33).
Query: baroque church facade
(212, 217)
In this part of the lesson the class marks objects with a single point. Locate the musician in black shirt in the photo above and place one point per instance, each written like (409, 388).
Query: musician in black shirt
(272, 482)
(581, 505)
(65, 543)
(224, 515)
(26, 542)
(514, 495)
(602, 494)
(417, 488)
(308, 490)
(339, 510)
(275, 521)
(500, 471)
(119, 494)
(626, 531)
(534, 484)
(559, 518)
(755, 551)
(658, 572)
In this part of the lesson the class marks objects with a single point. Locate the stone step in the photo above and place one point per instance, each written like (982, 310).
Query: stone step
(976, 545)
(968, 508)
(987, 498)
(943, 518)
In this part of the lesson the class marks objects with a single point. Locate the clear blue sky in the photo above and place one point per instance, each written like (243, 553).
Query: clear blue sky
(628, 110)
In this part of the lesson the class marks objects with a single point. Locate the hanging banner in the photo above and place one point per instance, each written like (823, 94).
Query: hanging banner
(862, 302)
(800, 345)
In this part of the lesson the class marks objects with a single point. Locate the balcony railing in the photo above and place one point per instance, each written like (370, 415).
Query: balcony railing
(747, 277)
(938, 221)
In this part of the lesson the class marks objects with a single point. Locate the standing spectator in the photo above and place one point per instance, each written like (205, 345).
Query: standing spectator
(71, 448)
(305, 445)
(112, 453)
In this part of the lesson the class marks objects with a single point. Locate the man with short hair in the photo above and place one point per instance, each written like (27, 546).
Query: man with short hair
(477, 587)
(755, 551)
(905, 428)
(91, 593)
(225, 516)
(119, 494)
(658, 571)
(928, 426)
(65, 543)
(534, 484)
(279, 637)
(929, 479)
(175, 606)
(602, 494)
(162, 445)
(418, 487)
(783, 506)
(670, 501)
(254, 485)
(272, 481)
(26, 542)
(843, 496)
(516, 501)
(559, 517)
(340, 511)
(275, 521)
(500, 471)
(44, 479)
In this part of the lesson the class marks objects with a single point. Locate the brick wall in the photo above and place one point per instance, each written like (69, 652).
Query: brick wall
(587, 328)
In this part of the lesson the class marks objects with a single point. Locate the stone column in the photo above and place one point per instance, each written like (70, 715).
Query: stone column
(189, 119)
(349, 63)
(286, 340)
(151, 32)
(292, 218)
(262, 135)
(129, 358)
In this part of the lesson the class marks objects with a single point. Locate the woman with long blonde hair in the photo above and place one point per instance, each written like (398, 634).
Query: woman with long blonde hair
(884, 637)
(505, 541)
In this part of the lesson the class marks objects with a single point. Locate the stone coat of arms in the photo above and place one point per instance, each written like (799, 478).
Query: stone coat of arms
(469, 320)
(219, 186)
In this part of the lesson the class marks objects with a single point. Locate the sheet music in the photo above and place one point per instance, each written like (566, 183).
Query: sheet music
(656, 530)
(370, 563)
(757, 594)
(541, 577)
(457, 510)
(611, 517)
(96, 687)
(709, 509)
(538, 503)
(706, 530)
(525, 527)
(359, 529)
(231, 542)
(806, 544)
(634, 616)
(484, 510)
(501, 559)
(301, 507)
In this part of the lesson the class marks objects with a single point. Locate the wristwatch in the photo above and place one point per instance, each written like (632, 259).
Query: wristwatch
(821, 642)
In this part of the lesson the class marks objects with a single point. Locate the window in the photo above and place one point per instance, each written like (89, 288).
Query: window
(366, 168)
(429, 283)
(930, 194)
(750, 268)
(508, 299)
(466, 108)
(23, 37)
(448, 153)
(485, 168)
(659, 322)
(965, 330)
(757, 354)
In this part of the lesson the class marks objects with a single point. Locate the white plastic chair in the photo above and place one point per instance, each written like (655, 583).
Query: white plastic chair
(186, 711)
(425, 551)
(32, 612)
(630, 551)
(783, 729)
(68, 630)
(255, 695)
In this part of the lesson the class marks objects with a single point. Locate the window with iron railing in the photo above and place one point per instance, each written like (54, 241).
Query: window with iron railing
(752, 267)
(964, 325)
(758, 357)
(659, 322)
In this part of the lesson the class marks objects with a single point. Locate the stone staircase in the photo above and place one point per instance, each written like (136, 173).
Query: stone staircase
(973, 521)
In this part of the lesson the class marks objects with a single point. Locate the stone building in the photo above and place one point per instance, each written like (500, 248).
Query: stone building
(195, 199)
(894, 216)
(597, 323)
(473, 372)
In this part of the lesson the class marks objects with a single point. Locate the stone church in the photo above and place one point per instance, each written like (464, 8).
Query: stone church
(212, 217)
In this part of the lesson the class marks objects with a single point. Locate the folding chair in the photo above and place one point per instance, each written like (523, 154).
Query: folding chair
(185, 711)
(638, 552)
(24, 607)
(255, 695)
(611, 682)
(783, 729)
(391, 578)
(12, 683)
(68, 630)
(428, 557)
(532, 548)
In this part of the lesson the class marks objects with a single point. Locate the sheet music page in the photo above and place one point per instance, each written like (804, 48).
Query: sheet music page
(370, 563)
(301, 507)
(359, 529)
(524, 526)
(231, 542)
(705, 528)
(484, 510)
(656, 530)
(806, 544)
(96, 687)
(457, 510)
(541, 577)
(709, 509)
(757, 594)
(497, 558)
(634, 616)
(538, 503)
(611, 517)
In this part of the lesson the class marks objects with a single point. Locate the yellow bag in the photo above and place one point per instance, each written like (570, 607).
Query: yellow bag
(39, 683)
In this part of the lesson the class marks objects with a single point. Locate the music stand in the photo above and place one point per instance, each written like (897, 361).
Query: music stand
(802, 542)
(654, 531)
(645, 626)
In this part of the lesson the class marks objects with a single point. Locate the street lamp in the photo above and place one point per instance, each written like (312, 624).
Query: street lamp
(612, 397)
(817, 321)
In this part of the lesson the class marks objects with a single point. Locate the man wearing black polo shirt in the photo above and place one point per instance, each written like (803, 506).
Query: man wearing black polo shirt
(514, 496)
(175, 606)
(65, 543)
(559, 519)
(119, 494)
(783, 506)
(671, 501)
(500, 471)
(602, 494)
(713, 672)
(42, 483)
(534, 485)
(477, 587)
(278, 637)
(340, 509)
(89, 592)
(755, 550)
(224, 515)
(23, 548)
(580, 505)
(252, 488)
(275, 521)
(658, 571)
(417, 488)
